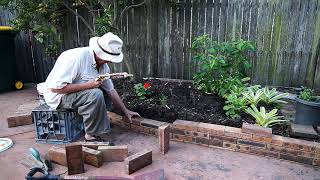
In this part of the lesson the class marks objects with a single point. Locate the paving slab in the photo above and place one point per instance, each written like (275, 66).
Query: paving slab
(306, 131)
(183, 161)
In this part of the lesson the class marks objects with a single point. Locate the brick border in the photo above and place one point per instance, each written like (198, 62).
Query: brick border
(249, 139)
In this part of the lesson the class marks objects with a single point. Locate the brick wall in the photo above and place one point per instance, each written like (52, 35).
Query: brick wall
(248, 139)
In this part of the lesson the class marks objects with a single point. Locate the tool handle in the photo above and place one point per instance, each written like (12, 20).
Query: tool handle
(33, 171)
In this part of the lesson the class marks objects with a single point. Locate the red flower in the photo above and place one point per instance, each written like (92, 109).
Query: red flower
(147, 85)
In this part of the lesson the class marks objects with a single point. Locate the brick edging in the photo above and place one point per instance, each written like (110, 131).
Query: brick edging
(250, 139)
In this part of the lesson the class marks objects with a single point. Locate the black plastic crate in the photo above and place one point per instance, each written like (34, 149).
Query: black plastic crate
(56, 126)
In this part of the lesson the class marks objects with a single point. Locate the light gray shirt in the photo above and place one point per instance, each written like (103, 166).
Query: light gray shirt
(73, 66)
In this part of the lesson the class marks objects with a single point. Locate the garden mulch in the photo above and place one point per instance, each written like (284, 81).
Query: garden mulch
(183, 101)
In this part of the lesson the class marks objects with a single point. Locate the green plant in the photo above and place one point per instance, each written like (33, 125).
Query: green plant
(272, 96)
(234, 105)
(308, 95)
(263, 118)
(252, 96)
(222, 65)
(141, 90)
(163, 100)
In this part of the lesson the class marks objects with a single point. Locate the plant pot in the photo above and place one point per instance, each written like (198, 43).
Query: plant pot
(307, 113)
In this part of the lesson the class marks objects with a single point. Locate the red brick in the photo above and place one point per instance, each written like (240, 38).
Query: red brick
(215, 142)
(138, 161)
(251, 143)
(224, 138)
(114, 153)
(229, 146)
(74, 158)
(263, 139)
(197, 134)
(299, 159)
(57, 155)
(211, 128)
(114, 117)
(316, 162)
(92, 157)
(307, 154)
(178, 131)
(153, 131)
(282, 149)
(136, 128)
(201, 141)
(164, 138)
(135, 121)
(146, 130)
(242, 148)
(19, 120)
(181, 138)
(298, 144)
(236, 133)
(186, 125)
(263, 152)
(277, 140)
(254, 129)
(151, 123)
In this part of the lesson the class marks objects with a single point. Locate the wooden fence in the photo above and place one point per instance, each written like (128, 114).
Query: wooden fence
(158, 37)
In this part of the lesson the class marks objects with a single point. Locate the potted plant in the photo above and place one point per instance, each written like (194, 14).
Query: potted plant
(307, 108)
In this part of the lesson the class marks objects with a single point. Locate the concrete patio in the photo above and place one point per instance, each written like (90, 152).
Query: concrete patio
(183, 161)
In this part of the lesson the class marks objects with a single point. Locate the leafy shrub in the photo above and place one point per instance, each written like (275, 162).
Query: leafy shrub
(252, 96)
(272, 96)
(142, 90)
(222, 65)
(308, 95)
(234, 105)
(263, 118)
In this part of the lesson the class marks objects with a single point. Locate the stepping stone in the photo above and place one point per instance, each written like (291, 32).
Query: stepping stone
(303, 131)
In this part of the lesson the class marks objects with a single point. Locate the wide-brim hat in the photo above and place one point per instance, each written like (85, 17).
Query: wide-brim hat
(107, 47)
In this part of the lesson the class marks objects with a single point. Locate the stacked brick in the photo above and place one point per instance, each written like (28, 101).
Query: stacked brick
(249, 139)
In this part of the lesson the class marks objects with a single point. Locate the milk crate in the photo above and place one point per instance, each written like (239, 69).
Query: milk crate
(56, 126)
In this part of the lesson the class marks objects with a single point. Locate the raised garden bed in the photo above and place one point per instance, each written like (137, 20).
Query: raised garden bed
(185, 102)
(199, 118)
(249, 139)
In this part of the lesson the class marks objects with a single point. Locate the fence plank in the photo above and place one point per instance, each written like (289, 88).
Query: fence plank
(157, 38)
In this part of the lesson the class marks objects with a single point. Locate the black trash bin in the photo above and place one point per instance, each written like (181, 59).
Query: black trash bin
(8, 60)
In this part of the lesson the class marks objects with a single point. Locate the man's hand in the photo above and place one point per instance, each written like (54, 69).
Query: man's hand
(130, 114)
(93, 84)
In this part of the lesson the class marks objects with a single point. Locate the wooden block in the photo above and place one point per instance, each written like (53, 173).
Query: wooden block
(19, 120)
(114, 153)
(164, 138)
(254, 129)
(57, 155)
(298, 130)
(74, 156)
(138, 161)
(92, 157)
(94, 145)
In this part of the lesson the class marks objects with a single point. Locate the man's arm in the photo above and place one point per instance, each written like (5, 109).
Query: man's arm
(71, 88)
(113, 94)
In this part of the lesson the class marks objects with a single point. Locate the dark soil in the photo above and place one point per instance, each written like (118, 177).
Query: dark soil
(184, 102)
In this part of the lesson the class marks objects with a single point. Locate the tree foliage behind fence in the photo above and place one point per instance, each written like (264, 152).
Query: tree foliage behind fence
(158, 37)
